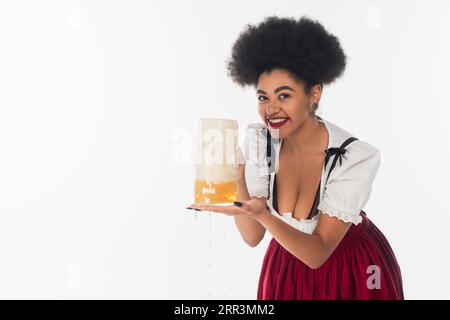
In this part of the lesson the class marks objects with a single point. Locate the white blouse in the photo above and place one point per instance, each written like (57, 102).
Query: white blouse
(349, 185)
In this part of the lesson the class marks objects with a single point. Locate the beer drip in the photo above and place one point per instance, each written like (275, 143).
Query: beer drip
(210, 232)
(211, 274)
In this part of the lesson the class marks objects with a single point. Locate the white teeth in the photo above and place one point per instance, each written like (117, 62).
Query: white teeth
(277, 120)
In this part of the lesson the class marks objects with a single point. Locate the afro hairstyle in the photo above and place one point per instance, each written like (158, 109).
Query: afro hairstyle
(302, 47)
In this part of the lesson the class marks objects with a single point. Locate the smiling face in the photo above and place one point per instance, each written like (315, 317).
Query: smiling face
(283, 104)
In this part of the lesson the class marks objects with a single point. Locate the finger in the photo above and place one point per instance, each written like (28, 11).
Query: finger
(241, 204)
(205, 207)
(238, 208)
(229, 210)
(193, 206)
(248, 205)
(201, 207)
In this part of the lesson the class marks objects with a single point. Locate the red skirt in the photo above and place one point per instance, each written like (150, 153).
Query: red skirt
(363, 266)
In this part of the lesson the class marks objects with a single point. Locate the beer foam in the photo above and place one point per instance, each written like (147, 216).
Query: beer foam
(217, 123)
(216, 154)
(216, 173)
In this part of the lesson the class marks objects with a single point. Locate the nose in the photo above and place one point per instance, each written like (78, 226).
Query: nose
(271, 109)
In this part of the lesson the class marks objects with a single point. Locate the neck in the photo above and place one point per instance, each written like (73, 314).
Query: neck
(307, 138)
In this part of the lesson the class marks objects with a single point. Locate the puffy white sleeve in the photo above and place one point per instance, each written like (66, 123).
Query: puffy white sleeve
(254, 149)
(349, 185)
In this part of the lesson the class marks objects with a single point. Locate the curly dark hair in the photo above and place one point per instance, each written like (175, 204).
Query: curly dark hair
(302, 47)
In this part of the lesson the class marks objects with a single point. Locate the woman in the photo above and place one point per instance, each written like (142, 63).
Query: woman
(323, 245)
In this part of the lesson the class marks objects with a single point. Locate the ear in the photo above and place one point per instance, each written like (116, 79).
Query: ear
(316, 92)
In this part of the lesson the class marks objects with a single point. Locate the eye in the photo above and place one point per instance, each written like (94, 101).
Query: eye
(282, 94)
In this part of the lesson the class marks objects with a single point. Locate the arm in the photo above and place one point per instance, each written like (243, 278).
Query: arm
(250, 229)
(348, 188)
(312, 249)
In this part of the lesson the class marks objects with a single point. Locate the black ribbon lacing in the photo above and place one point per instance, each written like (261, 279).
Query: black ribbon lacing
(337, 152)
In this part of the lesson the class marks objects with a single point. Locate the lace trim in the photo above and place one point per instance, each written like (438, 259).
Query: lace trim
(346, 217)
(304, 225)
(259, 193)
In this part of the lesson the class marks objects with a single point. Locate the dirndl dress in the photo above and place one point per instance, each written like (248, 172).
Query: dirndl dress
(363, 265)
(348, 274)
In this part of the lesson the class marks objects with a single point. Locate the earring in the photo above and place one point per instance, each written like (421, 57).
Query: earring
(313, 107)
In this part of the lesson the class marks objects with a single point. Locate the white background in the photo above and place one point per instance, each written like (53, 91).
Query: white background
(98, 106)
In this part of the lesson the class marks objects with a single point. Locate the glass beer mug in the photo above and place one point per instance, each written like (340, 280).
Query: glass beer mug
(216, 161)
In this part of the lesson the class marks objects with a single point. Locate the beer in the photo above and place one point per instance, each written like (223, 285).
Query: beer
(215, 192)
(216, 162)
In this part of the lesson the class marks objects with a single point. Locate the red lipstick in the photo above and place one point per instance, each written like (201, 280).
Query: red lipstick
(277, 122)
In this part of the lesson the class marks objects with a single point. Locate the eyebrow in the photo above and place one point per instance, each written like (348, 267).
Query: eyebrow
(276, 90)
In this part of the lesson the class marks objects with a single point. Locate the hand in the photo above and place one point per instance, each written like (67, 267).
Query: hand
(254, 208)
